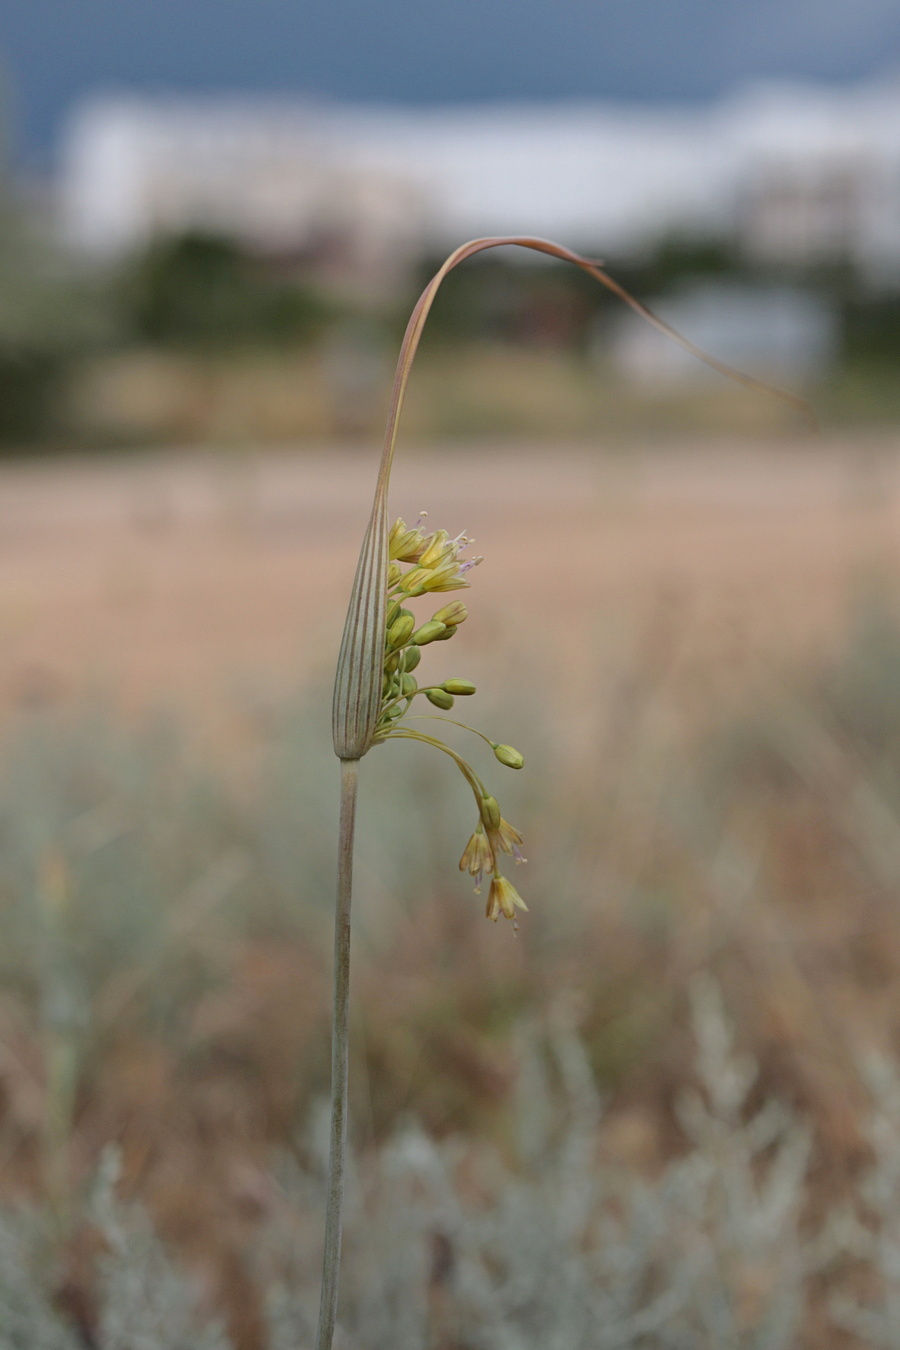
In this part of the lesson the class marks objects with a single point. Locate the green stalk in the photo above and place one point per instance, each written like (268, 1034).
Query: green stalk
(339, 1057)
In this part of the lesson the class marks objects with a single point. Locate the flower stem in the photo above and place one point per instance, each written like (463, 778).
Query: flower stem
(339, 1045)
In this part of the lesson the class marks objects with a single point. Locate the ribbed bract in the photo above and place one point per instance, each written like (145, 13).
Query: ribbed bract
(357, 685)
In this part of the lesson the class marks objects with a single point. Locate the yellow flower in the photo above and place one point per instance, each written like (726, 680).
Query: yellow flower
(403, 544)
(435, 549)
(478, 858)
(436, 557)
(413, 582)
(450, 574)
(449, 578)
(503, 899)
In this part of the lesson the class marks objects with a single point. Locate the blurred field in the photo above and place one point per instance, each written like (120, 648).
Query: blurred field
(185, 575)
(697, 649)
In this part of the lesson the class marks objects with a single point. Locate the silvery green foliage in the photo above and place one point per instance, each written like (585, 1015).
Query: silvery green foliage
(545, 1245)
(291, 1248)
(553, 1250)
(872, 1238)
(736, 1201)
(146, 1303)
(28, 1320)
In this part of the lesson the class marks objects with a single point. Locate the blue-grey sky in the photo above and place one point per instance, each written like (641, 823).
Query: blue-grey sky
(426, 51)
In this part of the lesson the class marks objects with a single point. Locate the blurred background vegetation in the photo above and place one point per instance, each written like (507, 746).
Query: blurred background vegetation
(197, 338)
(166, 915)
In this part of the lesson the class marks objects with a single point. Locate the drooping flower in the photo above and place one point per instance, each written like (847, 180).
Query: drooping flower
(506, 839)
(478, 857)
(504, 899)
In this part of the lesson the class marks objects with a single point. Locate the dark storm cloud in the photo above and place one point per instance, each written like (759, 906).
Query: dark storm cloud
(425, 51)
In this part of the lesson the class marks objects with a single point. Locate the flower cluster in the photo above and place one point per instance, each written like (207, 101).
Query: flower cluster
(422, 563)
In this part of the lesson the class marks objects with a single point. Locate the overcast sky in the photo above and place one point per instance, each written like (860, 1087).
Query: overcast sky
(426, 51)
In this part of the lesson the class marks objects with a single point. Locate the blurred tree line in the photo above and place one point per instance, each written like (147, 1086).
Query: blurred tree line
(199, 294)
(208, 293)
(47, 317)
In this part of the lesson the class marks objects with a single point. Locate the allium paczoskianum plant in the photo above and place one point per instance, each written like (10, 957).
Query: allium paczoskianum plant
(376, 686)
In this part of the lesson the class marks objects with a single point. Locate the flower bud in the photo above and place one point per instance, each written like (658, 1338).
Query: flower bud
(429, 632)
(445, 637)
(401, 629)
(394, 573)
(408, 685)
(508, 756)
(439, 698)
(452, 614)
(490, 812)
(391, 662)
(458, 686)
(411, 658)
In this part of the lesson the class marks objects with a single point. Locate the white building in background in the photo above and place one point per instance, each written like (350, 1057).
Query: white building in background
(793, 173)
(280, 175)
(819, 176)
(278, 178)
